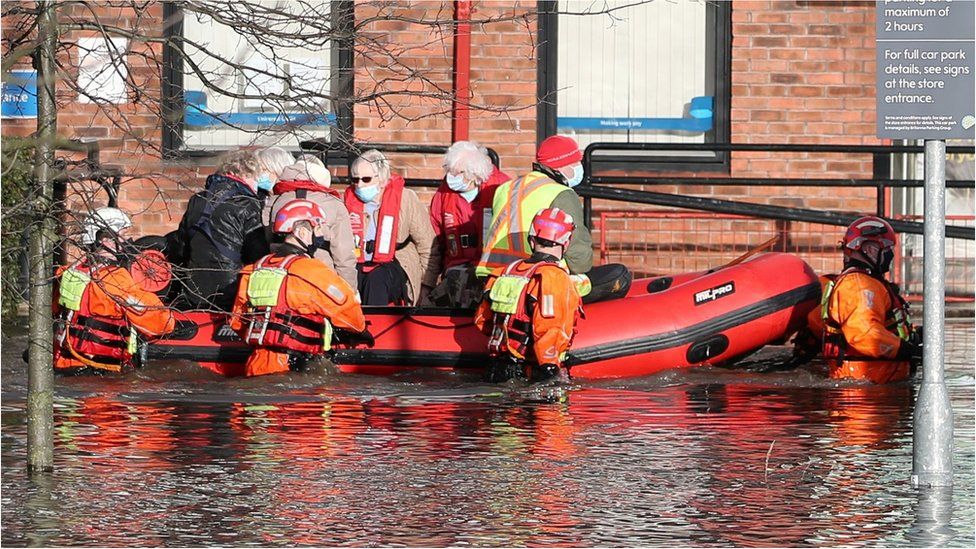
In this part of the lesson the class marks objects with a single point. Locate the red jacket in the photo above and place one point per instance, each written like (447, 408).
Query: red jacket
(459, 225)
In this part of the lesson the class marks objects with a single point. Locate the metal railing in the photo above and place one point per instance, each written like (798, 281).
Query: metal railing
(344, 154)
(596, 185)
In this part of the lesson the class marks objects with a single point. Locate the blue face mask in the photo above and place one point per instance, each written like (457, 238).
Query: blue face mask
(367, 194)
(456, 183)
(469, 196)
(264, 182)
(577, 176)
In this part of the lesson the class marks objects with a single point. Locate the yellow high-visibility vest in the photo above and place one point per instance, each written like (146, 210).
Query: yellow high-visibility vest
(515, 205)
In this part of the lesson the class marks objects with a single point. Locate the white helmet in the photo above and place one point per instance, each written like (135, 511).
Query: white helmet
(112, 219)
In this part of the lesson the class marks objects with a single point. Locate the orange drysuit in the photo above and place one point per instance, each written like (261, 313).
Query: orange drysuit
(549, 305)
(111, 305)
(861, 318)
(310, 291)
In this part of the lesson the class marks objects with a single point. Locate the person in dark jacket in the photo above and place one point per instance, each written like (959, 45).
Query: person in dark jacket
(222, 231)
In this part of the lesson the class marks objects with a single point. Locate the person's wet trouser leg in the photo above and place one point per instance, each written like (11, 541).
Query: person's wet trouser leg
(503, 368)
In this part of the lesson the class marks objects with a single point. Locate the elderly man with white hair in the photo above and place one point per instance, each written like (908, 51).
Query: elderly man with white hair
(309, 179)
(460, 213)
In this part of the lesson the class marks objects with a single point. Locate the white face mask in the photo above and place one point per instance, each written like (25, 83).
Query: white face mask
(469, 196)
(577, 176)
(456, 183)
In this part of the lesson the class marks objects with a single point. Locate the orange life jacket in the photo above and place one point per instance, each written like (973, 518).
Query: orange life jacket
(274, 325)
(387, 224)
(104, 343)
(835, 346)
(511, 332)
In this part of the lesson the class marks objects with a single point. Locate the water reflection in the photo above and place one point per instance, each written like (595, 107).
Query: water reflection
(711, 458)
(933, 518)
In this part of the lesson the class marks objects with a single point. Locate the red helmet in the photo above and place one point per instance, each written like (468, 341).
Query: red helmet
(870, 239)
(295, 211)
(554, 225)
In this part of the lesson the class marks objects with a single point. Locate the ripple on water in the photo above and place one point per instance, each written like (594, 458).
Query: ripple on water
(712, 457)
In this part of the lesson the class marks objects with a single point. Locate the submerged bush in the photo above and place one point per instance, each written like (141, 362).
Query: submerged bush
(16, 164)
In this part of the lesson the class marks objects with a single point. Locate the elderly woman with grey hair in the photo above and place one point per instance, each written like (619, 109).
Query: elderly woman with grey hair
(274, 160)
(397, 261)
(460, 213)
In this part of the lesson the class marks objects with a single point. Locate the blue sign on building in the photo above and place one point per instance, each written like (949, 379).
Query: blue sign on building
(197, 116)
(20, 95)
(700, 120)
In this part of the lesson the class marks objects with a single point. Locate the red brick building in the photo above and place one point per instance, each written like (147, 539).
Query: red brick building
(775, 71)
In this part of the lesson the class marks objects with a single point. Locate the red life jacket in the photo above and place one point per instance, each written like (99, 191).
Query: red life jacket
(278, 327)
(103, 343)
(462, 224)
(836, 347)
(513, 332)
(299, 185)
(387, 224)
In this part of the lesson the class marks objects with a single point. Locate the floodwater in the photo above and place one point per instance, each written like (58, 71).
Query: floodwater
(172, 455)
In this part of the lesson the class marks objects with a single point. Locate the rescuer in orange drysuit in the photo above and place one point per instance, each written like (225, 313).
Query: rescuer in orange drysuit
(98, 306)
(531, 306)
(866, 332)
(287, 303)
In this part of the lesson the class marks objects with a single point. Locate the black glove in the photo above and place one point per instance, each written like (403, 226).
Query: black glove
(806, 346)
(355, 338)
(916, 335)
(909, 351)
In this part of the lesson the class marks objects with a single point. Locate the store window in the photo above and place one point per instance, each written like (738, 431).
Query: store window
(654, 72)
(259, 75)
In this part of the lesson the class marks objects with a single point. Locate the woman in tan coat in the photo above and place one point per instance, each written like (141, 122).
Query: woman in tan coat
(307, 179)
(394, 238)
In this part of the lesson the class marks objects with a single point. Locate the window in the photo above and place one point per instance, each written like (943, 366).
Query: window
(256, 73)
(653, 72)
(102, 71)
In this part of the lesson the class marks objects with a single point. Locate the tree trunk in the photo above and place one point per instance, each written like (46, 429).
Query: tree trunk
(40, 373)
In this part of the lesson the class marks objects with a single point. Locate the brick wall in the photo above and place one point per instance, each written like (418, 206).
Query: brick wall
(503, 87)
(802, 72)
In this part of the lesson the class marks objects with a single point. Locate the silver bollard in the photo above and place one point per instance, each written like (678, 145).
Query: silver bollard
(932, 437)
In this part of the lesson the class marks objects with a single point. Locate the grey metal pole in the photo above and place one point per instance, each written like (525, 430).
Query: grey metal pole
(40, 371)
(932, 437)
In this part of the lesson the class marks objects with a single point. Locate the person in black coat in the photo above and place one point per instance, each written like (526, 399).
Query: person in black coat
(222, 231)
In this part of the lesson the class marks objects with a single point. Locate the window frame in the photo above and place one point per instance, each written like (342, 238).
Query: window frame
(342, 83)
(719, 19)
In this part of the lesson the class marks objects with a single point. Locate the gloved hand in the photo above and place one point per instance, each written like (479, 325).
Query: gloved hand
(806, 346)
(916, 335)
(355, 338)
(909, 351)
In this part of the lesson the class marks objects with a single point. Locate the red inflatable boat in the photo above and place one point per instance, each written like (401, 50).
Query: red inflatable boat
(663, 323)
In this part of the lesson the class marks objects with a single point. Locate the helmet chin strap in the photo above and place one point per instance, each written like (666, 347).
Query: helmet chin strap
(876, 268)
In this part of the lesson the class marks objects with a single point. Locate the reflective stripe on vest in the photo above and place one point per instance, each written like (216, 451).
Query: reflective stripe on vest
(516, 204)
(581, 281)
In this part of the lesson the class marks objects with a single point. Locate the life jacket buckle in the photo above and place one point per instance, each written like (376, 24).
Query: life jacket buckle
(496, 344)
(258, 327)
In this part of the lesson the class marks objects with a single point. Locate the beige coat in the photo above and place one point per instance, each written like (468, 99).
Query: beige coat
(420, 258)
(341, 255)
